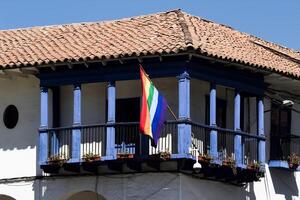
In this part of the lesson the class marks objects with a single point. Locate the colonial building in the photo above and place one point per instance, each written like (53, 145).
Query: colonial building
(71, 99)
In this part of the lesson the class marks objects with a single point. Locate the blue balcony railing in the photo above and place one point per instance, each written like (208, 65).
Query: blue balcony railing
(128, 140)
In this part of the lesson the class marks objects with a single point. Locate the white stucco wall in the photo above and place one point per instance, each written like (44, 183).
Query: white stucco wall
(18, 145)
(277, 185)
(94, 99)
(19, 190)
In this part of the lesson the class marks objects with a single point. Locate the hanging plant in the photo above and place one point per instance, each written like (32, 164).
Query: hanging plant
(59, 159)
(91, 157)
(293, 161)
(205, 158)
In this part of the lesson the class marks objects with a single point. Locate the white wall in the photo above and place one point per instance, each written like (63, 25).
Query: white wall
(94, 100)
(18, 145)
(278, 184)
(93, 103)
(19, 190)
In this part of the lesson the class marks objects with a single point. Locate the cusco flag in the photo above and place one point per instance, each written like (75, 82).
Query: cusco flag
(153, 110)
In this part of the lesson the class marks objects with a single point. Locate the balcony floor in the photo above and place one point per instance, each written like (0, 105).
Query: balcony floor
(237, 176)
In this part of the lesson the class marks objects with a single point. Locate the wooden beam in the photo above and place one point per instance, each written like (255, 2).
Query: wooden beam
(4, 75)
(16, 72)
(2, 72)
(30, 70)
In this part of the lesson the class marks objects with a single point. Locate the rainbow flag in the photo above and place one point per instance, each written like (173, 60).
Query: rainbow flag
(153, 110)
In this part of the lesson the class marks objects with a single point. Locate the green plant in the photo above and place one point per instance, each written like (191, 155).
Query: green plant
(229, 162)
(294, 161)
(89, 157)
(161, 155)
(205, 158)
(164, 155)
(253, 166)
(58, 159)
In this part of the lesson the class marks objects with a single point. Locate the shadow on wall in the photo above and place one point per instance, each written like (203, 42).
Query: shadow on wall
(24, 94)
(193, 188)
(158, 186)
(5, 197)
(284, 183)
(84, 195)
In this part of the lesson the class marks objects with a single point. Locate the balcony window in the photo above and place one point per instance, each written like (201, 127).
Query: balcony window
(280, 132)
(221, 112)
(127, 110)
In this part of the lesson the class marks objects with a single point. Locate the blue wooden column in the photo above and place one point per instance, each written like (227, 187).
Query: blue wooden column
(111, 119)
(43, 135)
(238, 151)
(184, 130)
(261, 131)
(76, 133)
(213, 121)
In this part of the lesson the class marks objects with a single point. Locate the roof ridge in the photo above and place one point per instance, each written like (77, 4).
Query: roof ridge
(242, 32)
(185, 28)
(105, 21)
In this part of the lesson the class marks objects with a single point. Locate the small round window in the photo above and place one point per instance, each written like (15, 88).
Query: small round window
(11, 116)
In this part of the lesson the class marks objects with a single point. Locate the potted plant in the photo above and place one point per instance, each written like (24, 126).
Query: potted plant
(205, 158)
(293, 161)
(165, 155)
(254, 172)
(161, 155)
(229, 164)
(254, 166)
(125, 155)
(91, 157)
(57, 160)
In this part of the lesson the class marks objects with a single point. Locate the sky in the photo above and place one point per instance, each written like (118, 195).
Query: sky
(277, 21)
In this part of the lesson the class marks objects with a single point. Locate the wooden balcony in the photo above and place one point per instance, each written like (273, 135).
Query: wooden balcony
(134, 152)
(285, 152)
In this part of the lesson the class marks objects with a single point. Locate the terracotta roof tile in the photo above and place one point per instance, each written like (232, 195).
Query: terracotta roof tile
(162, 33)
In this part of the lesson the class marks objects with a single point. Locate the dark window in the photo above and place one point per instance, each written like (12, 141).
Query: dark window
(127, 110)
(280, 132)
(11, 116)
(221, 112)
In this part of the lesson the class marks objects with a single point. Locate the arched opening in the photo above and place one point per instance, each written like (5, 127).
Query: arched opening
(86, 195)
(5, 197)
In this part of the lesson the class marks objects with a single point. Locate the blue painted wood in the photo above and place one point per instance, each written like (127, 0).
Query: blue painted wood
(76, 141)
(43, 136)
(54, 144)
(261, 131)
(237, 127)
(184, 130)
(76, 133)
(44, 107)
(212, 121)
(43, 147)
(111, 118)
(279, 163)
(77, 105)
(253, 84)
